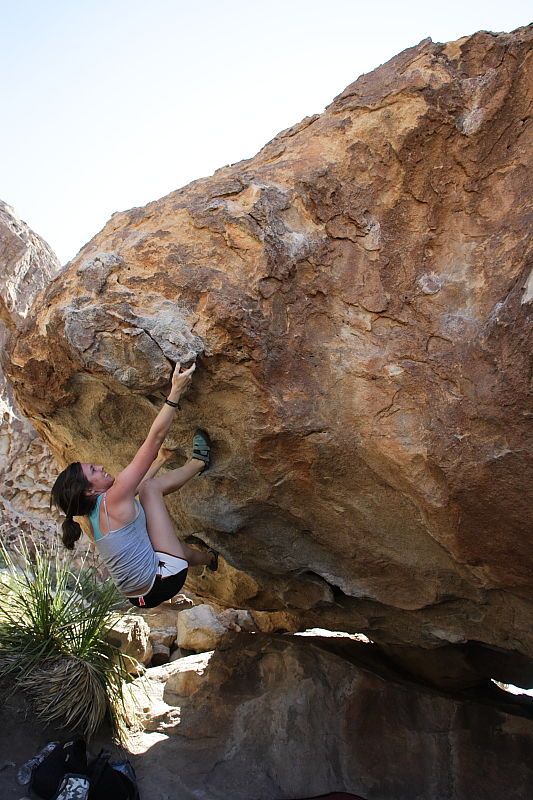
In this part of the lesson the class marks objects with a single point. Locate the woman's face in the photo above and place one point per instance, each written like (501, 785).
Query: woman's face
(99, 479)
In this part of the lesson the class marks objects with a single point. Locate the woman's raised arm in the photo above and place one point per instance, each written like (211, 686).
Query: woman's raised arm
(127, 481)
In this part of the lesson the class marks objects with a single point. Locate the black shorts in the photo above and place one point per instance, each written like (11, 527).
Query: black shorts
(163, 589)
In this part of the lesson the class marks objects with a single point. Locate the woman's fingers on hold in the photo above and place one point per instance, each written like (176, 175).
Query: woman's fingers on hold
(185, 375)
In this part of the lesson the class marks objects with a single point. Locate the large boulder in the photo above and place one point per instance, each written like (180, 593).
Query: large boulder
(271, 718)
(358, 296)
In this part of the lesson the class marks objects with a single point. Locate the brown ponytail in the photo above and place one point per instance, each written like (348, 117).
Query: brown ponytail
(71, 532)
(68, 495)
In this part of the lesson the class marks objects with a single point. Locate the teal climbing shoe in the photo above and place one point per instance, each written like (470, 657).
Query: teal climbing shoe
(201, 448)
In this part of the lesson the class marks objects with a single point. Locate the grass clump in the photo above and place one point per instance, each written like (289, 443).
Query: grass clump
(53, 645)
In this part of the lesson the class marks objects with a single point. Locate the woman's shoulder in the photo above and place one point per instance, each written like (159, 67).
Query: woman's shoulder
(121, 510)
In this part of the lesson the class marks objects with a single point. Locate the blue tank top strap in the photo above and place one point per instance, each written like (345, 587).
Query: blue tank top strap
(94, 517)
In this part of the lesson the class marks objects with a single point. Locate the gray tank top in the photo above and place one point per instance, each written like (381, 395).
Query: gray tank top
(127, 552)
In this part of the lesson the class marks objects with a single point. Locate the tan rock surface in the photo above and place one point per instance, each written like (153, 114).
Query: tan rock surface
(199, 629)
(271, 718)
(236, 619)
(358, 295)
(248, 714)
(27, 467)
(131, 634)
(185, 678)
(164, 636)
(275, 621)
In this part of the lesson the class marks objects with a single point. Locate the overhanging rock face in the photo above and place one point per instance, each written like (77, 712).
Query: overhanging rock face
(357, 296)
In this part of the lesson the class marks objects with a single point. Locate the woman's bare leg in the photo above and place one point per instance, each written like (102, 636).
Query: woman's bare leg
(163, 457)
(176, 478)
(159, 523)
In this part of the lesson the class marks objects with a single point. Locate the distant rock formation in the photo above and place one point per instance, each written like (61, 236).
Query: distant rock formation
(27, 265)
(26, 470)
(358, 296)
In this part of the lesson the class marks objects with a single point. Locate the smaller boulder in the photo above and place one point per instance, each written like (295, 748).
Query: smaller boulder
(131, 635)
(180, 602)
(199, 629)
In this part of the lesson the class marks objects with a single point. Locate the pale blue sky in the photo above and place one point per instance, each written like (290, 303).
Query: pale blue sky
(108, 104)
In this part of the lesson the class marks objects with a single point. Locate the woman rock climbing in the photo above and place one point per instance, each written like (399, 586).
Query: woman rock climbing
(136, 540)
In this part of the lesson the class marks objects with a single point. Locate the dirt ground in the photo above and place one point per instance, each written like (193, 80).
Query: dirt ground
(22, 736)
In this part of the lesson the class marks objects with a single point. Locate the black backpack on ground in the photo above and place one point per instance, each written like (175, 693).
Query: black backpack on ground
(64, 774)
(66, 757)
(111, 779)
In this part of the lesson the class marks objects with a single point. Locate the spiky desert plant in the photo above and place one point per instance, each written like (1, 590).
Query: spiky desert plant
(53, 643)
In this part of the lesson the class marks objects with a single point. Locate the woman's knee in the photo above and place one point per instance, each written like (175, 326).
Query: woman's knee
(149, 488)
